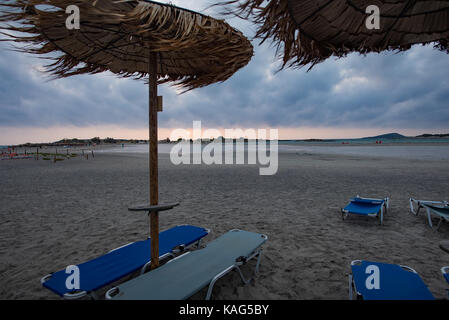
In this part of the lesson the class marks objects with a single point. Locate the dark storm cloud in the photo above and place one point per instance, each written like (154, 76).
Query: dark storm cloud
(405, 91)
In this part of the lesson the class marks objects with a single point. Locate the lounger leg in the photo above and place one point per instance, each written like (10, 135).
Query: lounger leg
(412, 210)
(439, 223)
(429, 217)
(256, 270)
(417, 211)
(218, 276)
(245, 281)
(93, 295)
(226, 271)
(221, 274)
(344, 214)
(350, 286)
(230, 268)
(258, 262)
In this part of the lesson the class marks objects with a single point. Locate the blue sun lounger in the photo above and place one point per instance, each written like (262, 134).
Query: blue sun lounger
(366, 207)
(382, 281)
(187, 274)
(122, 261)
(438, 208)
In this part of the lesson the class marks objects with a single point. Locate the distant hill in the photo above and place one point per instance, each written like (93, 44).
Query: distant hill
(427, 135)
(387, 136)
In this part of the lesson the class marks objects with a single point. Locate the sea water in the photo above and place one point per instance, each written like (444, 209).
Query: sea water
(396, 149)
(419, 152)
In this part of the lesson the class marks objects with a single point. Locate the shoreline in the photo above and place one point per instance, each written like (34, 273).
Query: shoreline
(311, 142)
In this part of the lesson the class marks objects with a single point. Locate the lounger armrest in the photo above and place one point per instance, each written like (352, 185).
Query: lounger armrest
(157, 208)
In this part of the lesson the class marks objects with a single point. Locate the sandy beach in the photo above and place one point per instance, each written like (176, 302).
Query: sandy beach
(56, 214)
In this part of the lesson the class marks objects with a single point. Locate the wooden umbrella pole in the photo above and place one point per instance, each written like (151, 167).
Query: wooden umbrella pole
(154, 216)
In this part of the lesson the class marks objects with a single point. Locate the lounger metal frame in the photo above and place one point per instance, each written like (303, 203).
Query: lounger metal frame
(445, 270)
(353, 289)
(168, 255)
(236, 266)
(429, 211)
(383, 210)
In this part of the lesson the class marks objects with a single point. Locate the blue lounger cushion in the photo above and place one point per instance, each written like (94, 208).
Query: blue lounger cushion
(396, 283)
(118, 263)
(364, 206)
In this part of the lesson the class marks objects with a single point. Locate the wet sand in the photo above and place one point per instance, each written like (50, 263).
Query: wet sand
(56, 214)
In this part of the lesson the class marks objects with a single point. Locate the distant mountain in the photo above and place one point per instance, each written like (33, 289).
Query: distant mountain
(387, 136)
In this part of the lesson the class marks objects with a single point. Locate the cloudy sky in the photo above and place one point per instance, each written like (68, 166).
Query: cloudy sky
(341, 98)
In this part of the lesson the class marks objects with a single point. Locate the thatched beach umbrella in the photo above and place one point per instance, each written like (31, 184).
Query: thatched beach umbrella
(310, 31)
(130, 38)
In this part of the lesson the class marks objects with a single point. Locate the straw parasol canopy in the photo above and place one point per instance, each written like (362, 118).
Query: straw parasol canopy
(193, 50)
(140, 39)
(310, 31)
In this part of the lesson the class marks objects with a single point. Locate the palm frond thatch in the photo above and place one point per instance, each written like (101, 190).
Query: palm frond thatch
(194, 50)
(310, 31)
